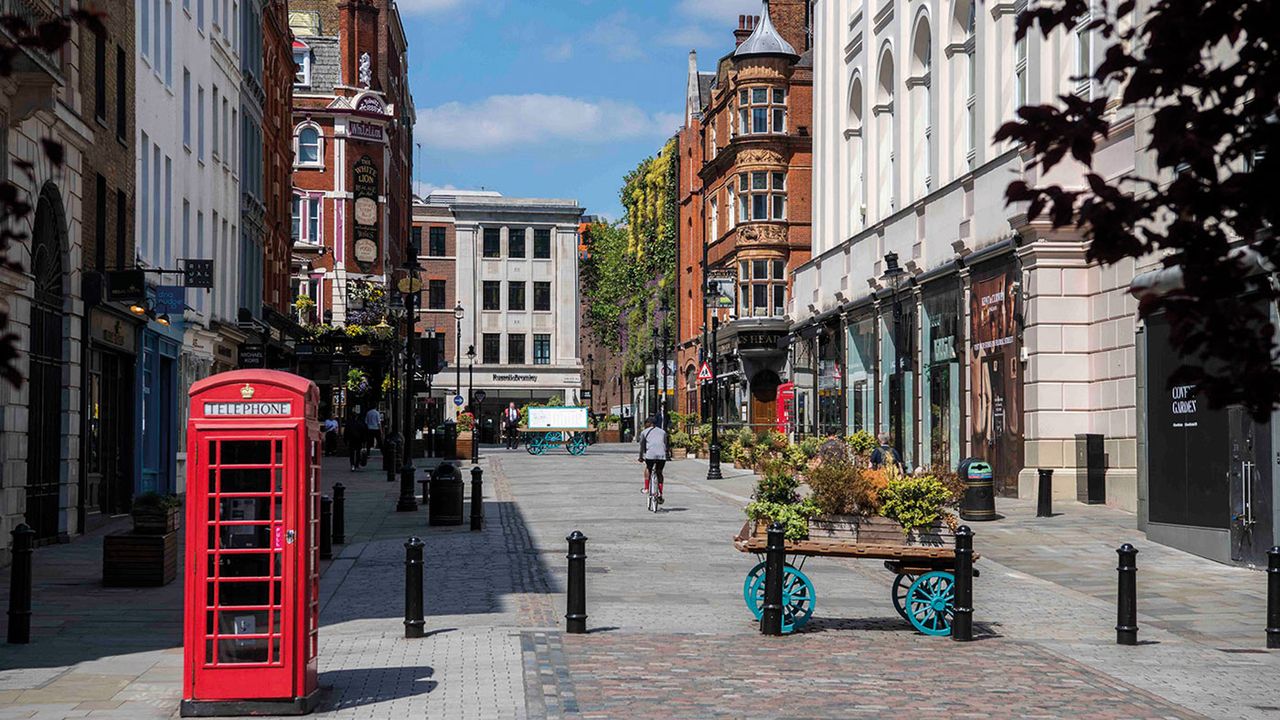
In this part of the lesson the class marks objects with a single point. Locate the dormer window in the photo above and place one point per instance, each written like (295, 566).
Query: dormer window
(302, 59)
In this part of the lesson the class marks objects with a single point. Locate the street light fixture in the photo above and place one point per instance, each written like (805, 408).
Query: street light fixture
(411, 297)
(713, 450)
(894, 278)
(591, 384)
(458, 312)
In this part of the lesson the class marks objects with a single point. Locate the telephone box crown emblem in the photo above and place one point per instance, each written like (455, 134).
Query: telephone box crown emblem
(246, 392)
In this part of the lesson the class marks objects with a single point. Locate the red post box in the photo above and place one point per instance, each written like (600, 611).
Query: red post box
(252, 573)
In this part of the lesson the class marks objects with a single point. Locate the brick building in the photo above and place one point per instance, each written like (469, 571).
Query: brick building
(748, 198)
(110, 350)
(277, 155)
(352, 124)
(433, 231)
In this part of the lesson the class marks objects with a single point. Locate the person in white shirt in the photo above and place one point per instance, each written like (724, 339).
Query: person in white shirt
(511, 424)
(373, 427)
(653, 453)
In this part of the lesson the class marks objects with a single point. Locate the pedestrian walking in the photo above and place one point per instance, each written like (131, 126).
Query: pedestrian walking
(373, 428)
(330, 430)
(511, 424)
(885, 455)
(354, 432)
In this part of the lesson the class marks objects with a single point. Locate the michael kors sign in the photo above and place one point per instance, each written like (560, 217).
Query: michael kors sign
(237, 409)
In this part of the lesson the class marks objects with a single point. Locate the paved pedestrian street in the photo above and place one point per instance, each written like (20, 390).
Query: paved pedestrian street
(669, 635)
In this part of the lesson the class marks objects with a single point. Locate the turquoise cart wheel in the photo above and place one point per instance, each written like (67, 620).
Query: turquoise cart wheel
(798, 598)
(901, 585)
(552, 438)
(931, 603)
(748, 589)
(537, 445)
(577, 444)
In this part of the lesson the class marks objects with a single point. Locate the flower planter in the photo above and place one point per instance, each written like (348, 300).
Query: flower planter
(610, 435)
(139, 560)
(463, 449)
(679, 453)
(155, 521)
(878, 531)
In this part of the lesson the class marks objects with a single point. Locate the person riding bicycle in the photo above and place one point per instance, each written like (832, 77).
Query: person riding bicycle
(511, 424)
(653, 453)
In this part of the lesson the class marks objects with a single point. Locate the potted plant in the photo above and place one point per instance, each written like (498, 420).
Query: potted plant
(155, 514)
(680, 442)
(466, 426)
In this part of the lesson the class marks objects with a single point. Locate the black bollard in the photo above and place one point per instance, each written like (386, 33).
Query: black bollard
(339, 514)
(962, 621)
(575, 616)
(1273, 598)
(775, 561)
(477, 499)
(414, 623)
(1044, 498)
(20, 585)
(1127, 597)
(326, 527)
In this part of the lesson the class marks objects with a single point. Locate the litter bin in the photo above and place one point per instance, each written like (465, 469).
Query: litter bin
(445, 441)
(979, 501)
(445, 504)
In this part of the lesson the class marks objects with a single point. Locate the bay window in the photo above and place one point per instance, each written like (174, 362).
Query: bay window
(762, 196)
(762, 110)
(762, 287)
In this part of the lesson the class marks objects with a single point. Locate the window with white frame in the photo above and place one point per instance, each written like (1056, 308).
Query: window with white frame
(762, 196)
(309, 149)
(971, 89)
(302, 58)
(1020, 73)
(762, 110)
(762, 287)
(306, 220)
(732, 207)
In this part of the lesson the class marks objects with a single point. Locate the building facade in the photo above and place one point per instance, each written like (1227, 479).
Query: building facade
(433, 233)
(278, 73)
(753, 187)
(939, 316)
(517, 284)
(109, 459)
(40, 420)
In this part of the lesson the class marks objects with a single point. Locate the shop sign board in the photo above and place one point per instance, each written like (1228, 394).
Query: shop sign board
(365, 193)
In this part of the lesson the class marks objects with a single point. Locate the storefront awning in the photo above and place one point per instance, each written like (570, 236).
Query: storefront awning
(1158, 283)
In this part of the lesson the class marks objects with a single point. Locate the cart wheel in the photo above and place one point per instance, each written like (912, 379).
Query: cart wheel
(748, 589)
(931, 602)
(552, 438)
(901, 585)
(577, 444)
(798, 598)
(537, 445)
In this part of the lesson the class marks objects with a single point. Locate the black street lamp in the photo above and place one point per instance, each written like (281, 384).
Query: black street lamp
(411, 287)
(894, 278)
(591, 385)
(713, 450)
(458, 312)
(471, 399)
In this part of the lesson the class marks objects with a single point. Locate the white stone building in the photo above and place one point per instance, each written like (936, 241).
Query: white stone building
(997, 339)
(517, 282)
(188, 206)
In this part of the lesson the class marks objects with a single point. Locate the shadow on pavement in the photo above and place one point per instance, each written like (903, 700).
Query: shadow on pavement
(345, 689)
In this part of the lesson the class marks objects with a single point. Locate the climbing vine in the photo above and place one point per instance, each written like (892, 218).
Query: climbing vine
(629, 274)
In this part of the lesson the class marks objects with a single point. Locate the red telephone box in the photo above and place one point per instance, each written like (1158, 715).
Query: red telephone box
(252, 573)
(786, 398)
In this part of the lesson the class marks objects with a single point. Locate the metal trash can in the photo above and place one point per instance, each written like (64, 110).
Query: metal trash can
(979, 501)
(446, 496)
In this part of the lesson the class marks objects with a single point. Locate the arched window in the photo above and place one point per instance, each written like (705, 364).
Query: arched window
(886, 171)
(309, 146)
(964, 21)
(857, 163)
(921, 108)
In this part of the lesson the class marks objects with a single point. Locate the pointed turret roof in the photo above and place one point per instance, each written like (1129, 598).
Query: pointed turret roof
(765, 41)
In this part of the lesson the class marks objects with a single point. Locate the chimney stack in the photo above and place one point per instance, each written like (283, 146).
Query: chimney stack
(746, 26)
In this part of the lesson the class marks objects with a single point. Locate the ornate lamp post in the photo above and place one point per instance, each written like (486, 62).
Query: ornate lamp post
(591, 384)
(713, 450)
(385, 334)
(458, 312)
(410, 288)
(894, 278)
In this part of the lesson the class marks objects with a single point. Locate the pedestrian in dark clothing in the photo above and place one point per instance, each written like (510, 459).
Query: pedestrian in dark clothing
(354, 435)
(885, 455)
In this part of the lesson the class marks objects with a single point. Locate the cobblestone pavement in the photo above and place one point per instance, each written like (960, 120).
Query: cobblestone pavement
(669, 634)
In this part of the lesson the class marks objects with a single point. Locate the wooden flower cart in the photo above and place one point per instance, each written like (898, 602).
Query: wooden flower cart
(549, 427)
(923, 563)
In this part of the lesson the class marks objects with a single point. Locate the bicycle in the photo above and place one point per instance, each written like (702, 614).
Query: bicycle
(653, 494)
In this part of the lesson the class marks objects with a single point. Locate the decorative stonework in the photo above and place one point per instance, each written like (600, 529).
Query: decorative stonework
(755, 156)
(762, 234)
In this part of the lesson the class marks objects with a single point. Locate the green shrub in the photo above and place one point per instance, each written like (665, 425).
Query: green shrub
(915, 502)
(745, 437)
(681, 439)
(809, 446)
(774, 440)
(862, 443)
(793, 516)
(795, 458)
(152, 500)
(776, 487)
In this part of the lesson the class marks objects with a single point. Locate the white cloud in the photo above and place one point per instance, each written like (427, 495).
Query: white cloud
(616, 35)
(560, 52)
(688, 37)
(505, 121)
(720, 9)
(422, 7)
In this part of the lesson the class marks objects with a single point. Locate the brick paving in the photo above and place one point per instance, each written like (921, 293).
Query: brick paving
(670, 637)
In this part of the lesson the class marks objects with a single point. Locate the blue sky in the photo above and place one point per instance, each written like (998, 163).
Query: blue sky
(554, 98)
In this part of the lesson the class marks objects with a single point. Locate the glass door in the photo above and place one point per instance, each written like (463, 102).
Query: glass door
(248, 573)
